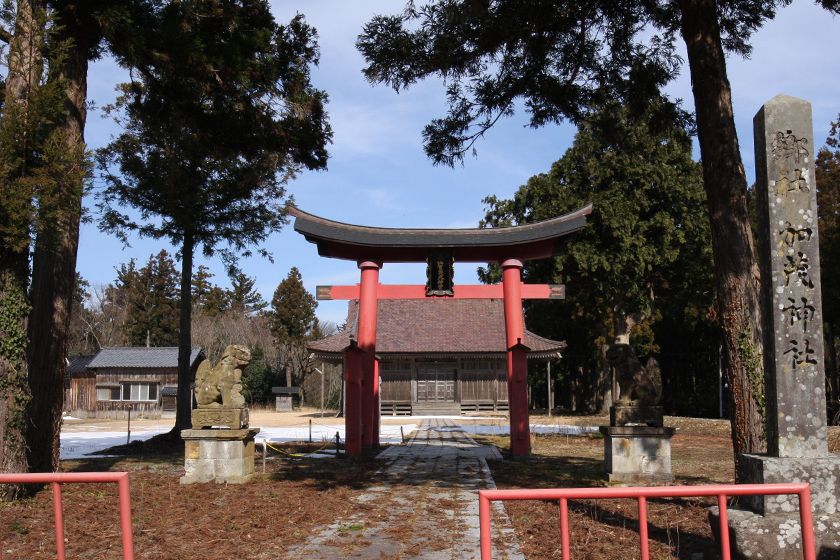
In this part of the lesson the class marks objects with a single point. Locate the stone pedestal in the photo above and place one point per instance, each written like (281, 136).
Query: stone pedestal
(638, 454)
(218, 455)
(776, 536)
(764, 523)
(230, 418)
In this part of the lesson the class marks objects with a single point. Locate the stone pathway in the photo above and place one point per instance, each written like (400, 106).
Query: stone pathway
(425, 504)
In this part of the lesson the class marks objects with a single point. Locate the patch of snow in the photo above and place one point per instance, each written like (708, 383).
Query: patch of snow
(77, 445)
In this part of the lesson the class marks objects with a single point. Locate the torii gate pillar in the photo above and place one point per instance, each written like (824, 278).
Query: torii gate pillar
(368, 298)
(517, 362)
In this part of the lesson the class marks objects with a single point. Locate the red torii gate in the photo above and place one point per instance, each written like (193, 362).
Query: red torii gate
(370, 247)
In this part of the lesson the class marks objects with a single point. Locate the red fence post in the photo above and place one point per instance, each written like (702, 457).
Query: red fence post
(723, 518)
(484, 526)
(564, 528)
(125, 517)
(58, 510)
(807, 523)
(643, 529)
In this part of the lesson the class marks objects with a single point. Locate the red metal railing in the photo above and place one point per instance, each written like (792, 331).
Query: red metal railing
(57, 479)
(722, 491)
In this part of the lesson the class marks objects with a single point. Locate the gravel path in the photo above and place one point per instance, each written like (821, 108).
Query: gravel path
(425, 504)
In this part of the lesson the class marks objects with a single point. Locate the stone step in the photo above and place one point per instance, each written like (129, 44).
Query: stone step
(431, 409)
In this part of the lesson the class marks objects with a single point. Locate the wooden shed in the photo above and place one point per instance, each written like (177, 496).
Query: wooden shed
(117, 380)
(439, 356)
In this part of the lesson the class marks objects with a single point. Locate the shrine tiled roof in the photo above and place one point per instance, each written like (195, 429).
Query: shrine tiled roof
(426, 326)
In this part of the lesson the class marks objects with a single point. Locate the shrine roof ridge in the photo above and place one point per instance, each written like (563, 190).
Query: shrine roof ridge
(330, 235)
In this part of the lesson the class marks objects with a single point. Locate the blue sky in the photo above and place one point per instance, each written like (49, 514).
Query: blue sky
(377, 172)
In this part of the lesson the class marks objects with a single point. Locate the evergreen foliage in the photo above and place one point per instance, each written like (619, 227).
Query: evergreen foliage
(645, 250)
(150, 295)
(243, 297)
(292, 315)
(220, 116)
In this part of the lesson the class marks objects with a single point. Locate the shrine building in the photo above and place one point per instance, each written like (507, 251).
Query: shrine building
(438, 356)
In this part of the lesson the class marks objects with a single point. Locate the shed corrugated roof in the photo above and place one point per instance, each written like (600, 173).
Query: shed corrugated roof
(436, 325)
(140, 357)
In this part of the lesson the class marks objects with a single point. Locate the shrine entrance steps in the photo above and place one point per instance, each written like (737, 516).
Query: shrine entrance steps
(436, 409)
(424, 504)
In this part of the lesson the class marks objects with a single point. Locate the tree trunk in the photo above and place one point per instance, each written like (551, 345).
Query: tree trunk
(735, 265)
(56, 247)
(185, 378)
(25, 70)
(831, 375)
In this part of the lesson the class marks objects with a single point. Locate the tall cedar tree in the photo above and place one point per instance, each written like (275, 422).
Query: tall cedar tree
(207, 297)
(220, 116)
(648, 219)
(292, 309)
(561, 59)
(22, 140)
(291, 319)
(150, 295)
(50, 44)
(828, 196)
(75, 33)
(243, 297)
(43, 171)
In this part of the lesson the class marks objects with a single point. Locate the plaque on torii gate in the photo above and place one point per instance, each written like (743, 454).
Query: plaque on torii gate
(370, 247)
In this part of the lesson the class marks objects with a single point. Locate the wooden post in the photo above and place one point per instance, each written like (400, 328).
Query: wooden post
(548, 386)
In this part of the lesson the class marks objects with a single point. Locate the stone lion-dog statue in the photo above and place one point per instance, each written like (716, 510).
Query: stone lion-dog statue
(221, 386)
(637, 386)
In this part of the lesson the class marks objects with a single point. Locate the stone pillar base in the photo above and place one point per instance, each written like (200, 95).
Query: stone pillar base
(218, 455)
(638, 454)
(776, 536)
(823, 473)
(764, 523)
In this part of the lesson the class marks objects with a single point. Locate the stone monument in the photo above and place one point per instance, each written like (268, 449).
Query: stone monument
(637, 447)
(220, 445)
(797, 449)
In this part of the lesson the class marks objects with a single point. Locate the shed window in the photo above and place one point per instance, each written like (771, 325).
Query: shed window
(108, 393)
(135, 391)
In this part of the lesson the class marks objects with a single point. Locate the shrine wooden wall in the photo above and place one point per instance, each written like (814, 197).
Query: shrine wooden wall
(480, 380)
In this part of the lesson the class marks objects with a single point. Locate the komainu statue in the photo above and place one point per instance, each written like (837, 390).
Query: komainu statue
(221, 386)
(637, 385)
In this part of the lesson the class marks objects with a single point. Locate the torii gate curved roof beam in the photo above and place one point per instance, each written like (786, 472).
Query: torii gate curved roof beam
(353, 242)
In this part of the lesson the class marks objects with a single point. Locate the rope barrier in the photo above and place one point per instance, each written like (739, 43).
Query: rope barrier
(281, 451)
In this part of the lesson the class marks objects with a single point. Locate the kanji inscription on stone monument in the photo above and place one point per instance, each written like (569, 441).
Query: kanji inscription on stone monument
(789, 250)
